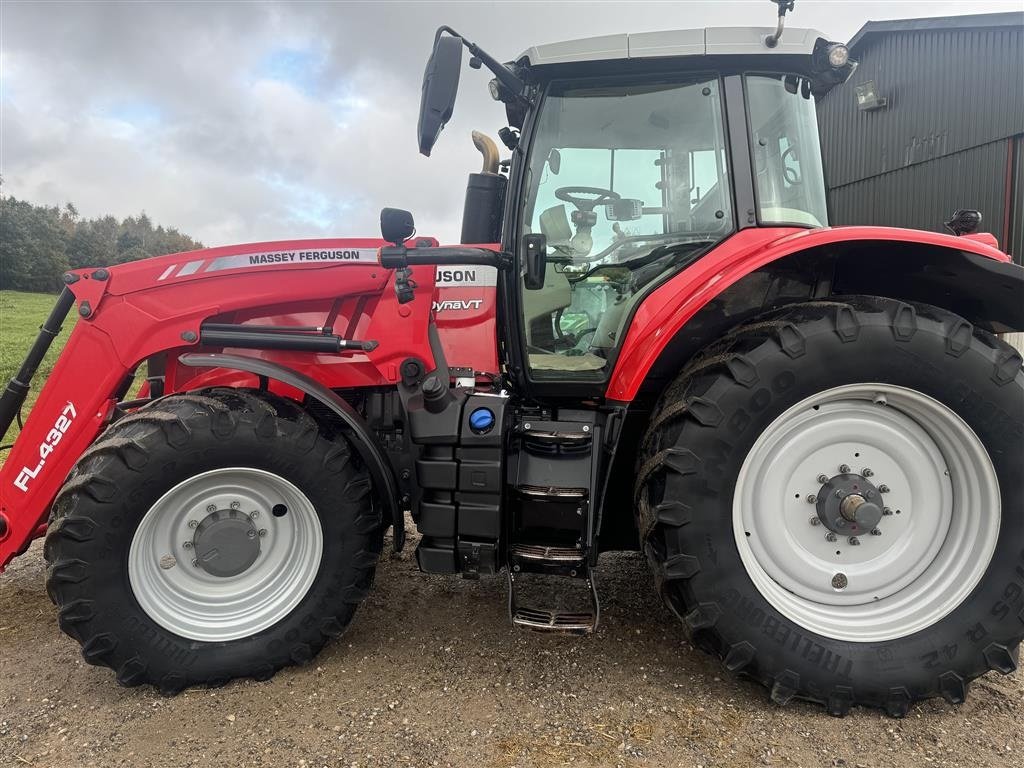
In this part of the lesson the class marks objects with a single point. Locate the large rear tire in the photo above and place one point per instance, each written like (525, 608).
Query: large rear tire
(211, 536)
(832, 501)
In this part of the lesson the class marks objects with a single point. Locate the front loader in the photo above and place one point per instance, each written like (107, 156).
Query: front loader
(649, 338)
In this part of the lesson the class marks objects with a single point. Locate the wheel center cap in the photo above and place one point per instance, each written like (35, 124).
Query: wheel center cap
(226, 543)
(849, 505)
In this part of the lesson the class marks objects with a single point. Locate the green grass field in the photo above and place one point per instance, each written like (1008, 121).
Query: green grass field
(21, 314)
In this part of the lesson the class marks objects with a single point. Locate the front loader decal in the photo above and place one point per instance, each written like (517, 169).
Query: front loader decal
(268, 258)
(53, 437)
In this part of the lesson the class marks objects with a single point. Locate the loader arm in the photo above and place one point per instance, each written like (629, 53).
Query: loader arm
(157, 308)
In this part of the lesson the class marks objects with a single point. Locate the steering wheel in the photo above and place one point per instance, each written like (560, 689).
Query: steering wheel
(791, 175)
(571, 195)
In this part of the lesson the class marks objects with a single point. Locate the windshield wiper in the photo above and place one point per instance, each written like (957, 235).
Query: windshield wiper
(669, 249)
(655, 254)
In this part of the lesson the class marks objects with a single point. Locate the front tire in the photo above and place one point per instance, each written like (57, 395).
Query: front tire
(211, 536)
(759, 457)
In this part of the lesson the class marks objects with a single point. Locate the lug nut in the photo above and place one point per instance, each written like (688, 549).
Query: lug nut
(251, 534)
(812, 499)
(187, 544)
(844, 469)
(236, 504)
(876, 532)
(815, 521)
(830, 536)
(254, 514)
(822, 479)
(883, 488)
(211, 508)
(853, 541)
(195, 523)
(886, 511)
(867, 472)
(263, 532)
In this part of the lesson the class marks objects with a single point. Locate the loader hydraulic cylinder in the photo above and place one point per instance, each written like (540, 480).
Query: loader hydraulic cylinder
(17, 388)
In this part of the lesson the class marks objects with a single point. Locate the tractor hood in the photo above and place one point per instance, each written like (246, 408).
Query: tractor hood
(237, 259)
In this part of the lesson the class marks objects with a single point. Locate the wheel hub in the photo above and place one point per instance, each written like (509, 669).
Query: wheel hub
(226, 543)
(849, 505)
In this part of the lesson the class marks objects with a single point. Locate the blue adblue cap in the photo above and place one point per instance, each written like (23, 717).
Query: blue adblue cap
(481, 420)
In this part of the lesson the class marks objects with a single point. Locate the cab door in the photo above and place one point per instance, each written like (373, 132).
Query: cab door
(627, 182)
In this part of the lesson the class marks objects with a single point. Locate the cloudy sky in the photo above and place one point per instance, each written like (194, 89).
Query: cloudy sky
(249, 121)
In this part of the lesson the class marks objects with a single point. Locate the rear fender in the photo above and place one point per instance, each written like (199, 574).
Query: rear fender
(741, 278)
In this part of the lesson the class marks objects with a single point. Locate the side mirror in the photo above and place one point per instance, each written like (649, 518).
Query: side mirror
(536, 259)
(440, 85)
(396, 225)
(965, 221)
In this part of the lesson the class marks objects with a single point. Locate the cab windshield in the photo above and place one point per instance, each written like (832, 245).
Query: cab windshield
(627, 182)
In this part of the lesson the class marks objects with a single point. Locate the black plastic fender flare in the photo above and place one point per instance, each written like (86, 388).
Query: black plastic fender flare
(363, 440)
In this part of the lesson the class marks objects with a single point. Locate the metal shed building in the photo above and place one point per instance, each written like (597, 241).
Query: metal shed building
(931, 121)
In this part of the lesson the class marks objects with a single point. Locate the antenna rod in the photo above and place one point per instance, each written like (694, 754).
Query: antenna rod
(784, 5)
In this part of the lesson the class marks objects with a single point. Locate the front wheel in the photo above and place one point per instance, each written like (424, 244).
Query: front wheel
(211, 536)
(832, 501)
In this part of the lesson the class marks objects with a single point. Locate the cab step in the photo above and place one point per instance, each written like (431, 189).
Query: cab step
(551, 493)
(575, 620)
(542, 558)
(543, 553)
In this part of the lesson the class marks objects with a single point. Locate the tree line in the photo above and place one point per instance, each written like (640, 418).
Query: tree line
(38, 244)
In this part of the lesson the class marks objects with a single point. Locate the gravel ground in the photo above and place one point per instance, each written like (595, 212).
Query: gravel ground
(432, 674)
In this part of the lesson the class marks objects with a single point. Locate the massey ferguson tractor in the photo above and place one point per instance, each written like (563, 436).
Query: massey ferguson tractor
(649, 338)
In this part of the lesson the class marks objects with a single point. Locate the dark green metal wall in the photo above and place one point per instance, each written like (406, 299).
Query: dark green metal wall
(950, 136)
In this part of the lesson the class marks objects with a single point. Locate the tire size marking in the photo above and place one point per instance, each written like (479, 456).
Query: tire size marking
(780, 632)
(171, 650)
(1012, 594)
(50, 442)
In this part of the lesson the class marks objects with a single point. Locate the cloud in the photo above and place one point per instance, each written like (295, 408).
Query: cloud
(239, 122)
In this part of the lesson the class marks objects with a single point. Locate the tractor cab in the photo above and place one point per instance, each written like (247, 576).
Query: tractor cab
(632, 155)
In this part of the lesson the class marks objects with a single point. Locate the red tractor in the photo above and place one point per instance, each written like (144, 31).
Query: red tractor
(650, 338)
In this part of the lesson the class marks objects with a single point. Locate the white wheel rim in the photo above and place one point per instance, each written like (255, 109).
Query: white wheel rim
(931, 551)
(187, 600)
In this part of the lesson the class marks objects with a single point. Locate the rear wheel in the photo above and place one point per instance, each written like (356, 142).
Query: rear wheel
(211, 536)
(831, 500)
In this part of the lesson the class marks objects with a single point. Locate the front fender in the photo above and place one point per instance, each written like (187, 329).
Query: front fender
(979, 267)
(356, 429)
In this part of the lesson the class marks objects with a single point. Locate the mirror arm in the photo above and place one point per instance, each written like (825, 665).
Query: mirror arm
(503, 73)
(400, 257)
